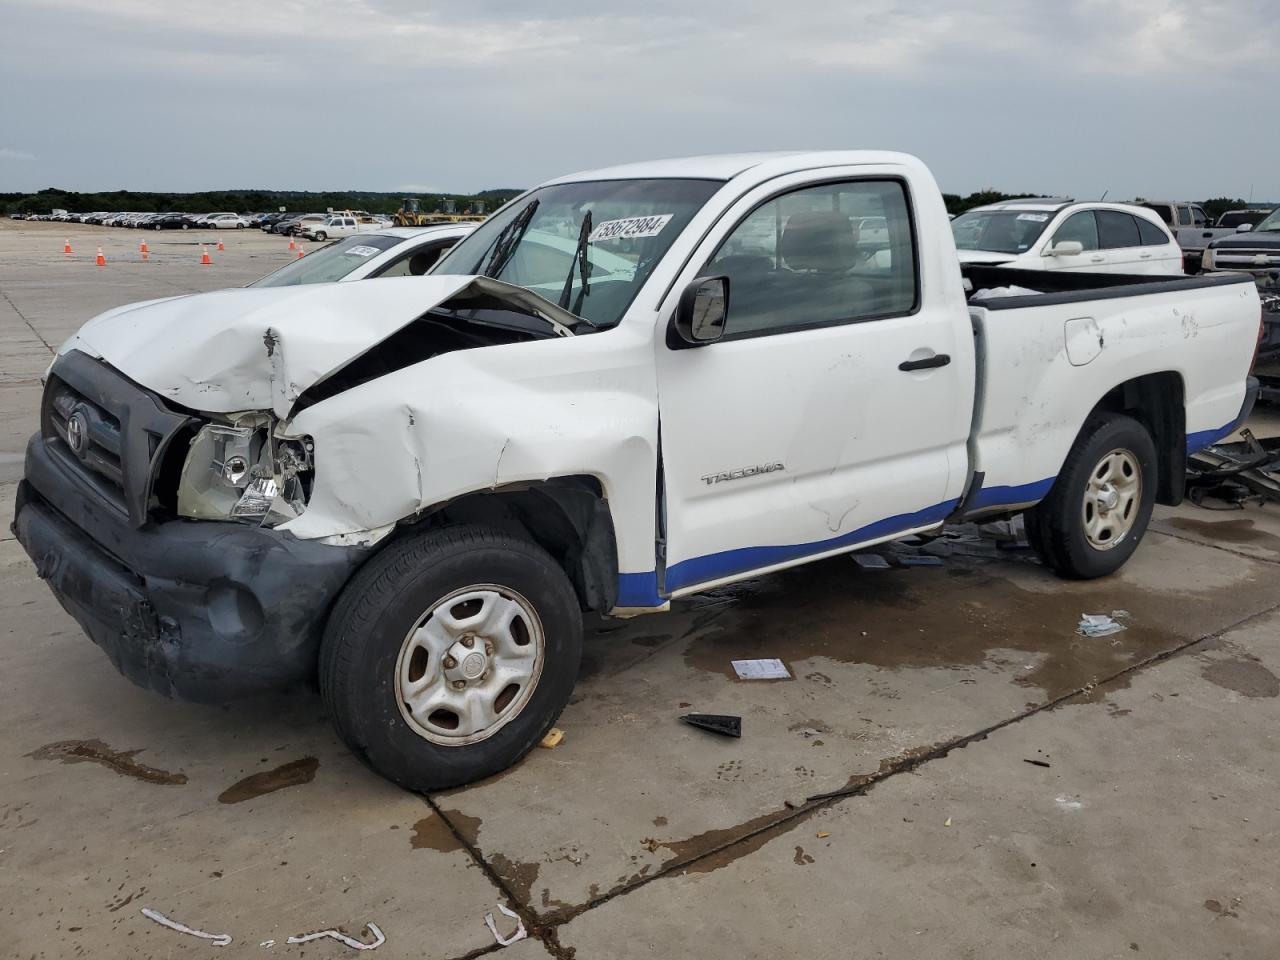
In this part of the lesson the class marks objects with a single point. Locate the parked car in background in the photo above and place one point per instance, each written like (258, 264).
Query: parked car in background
(340, 225)
(1059, 234)
(391, 252)
(295, 226)
(1196, 231)
(226, 221)
(168, 221)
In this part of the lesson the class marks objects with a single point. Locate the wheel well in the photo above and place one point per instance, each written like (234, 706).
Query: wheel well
(566, 516)
(1156, 401)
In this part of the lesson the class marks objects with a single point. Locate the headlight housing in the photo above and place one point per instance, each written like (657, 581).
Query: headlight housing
(1206, 259)
(241, 471)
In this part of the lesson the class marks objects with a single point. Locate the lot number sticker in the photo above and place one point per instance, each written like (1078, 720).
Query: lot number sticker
(630, 228)
(1034, 217)
(362, 251)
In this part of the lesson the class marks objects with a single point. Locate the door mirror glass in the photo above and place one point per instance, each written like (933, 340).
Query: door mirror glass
(1244, 228)
(1066, 248)
(701, 313)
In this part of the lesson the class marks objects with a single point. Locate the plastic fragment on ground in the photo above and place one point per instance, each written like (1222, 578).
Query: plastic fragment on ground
(217, 939)
(378, 938)
(552, 739)
(822, 834)
(909, 561)
(947, 822)
(1098, 625)
(871, 561)
(520, 933)
(768, 669)
(724, 724)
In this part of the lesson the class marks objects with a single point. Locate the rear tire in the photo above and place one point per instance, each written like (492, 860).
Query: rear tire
(1099, 507)
(399, 656)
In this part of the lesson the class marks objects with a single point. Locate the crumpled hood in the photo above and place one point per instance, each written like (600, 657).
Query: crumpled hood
(260, 348)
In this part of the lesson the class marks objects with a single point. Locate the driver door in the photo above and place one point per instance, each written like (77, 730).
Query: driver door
(836, 408)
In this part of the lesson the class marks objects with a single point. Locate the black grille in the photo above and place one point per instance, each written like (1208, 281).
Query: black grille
(109, 430)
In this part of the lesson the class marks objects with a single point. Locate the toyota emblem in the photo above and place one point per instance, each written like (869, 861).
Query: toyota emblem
(78, 433)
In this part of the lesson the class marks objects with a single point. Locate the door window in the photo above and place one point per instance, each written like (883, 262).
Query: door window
(1150, 234)
(1081, 227)
(1116, 229)
(1199, 217)
(417, 262)
(819, 256)
(1184, 217)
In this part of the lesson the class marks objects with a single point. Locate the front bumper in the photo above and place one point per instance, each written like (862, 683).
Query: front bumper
(206, 611)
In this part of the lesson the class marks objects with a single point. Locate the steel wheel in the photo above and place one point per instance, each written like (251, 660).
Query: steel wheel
(470, 665)
(1111, 499)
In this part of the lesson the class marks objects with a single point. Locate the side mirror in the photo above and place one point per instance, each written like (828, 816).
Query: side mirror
(701, 312)
(1244, 228)
(1065, 248)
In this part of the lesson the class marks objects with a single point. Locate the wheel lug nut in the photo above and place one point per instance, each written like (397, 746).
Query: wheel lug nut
(488, 648)
(468, 642)
(450, 663)
(458, 684)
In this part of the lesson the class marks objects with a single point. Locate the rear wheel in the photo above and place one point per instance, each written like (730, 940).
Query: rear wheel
(450, 655)
(1099, 506)
(320, 235)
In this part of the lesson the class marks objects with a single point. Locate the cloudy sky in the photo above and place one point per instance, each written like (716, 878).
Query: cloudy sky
(1159, 98)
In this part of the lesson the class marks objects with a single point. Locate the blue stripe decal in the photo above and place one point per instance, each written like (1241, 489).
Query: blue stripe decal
(638, 590)
(1203, 438)
(1011, 496)
(730, 562)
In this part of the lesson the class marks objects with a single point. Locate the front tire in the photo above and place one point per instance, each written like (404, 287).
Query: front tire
(1098, 509)
(450, 655)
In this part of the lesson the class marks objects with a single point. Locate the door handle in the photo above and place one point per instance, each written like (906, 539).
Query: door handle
(1145, 256)
(928, 363)
(1097, 259)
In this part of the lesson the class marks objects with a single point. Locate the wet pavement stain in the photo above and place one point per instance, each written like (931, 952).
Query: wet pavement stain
(1237, 530)
(433, 833)
(518, 877)
(467, 827)
(802, 859)
(946, 618)
(1244, 676)
(121, 761)
(292, 774)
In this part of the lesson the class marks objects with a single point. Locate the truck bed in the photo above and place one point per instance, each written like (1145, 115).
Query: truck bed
(1046, 359)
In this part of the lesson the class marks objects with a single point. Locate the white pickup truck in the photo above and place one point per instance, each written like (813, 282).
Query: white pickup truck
(627, 386)
(342, 225)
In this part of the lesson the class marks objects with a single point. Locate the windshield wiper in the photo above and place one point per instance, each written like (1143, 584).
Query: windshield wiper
(582, 264)
(505, 245)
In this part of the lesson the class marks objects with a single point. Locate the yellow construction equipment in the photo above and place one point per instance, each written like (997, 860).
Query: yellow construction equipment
(410, 214)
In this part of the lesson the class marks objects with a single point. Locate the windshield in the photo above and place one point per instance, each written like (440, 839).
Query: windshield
(1271, 223)
(999, 231)
(633, 223)
(330, 263)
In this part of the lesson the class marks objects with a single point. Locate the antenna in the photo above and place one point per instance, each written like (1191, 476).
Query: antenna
(1104, 194)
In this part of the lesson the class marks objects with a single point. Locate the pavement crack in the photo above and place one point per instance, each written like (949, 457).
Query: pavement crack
(861, 786)
(13, 306)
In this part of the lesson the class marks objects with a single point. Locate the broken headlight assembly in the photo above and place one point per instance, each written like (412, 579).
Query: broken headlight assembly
(242, 471)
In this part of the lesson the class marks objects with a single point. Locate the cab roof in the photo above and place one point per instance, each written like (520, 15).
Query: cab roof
(729, 165)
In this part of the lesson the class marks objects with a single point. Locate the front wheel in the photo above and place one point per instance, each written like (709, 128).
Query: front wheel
(450, 655)
(1100, 504)
(319, 237)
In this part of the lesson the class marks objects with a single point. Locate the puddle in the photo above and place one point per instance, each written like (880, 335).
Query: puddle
(948, 618)
(433, 833)
(292, 774)
(1247, 677)
(121, 761)
(1237, 530)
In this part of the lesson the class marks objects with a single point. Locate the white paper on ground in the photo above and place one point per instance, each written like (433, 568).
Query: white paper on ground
(771, 669)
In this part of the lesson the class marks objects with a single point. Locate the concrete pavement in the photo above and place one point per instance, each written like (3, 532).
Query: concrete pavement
(1145, 825)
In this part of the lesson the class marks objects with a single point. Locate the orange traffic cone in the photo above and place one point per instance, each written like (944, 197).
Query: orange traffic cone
(102, 261)
(142, 248)
(204, 257)
(292, 244)
(146, 254)
(221, 248)
(66, 247)
(301, 253)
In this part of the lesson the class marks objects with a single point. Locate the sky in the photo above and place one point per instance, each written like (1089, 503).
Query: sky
(1163, 99)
